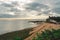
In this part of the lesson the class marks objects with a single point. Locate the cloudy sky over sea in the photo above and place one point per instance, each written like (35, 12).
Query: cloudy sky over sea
(29, 8)
(25, 8)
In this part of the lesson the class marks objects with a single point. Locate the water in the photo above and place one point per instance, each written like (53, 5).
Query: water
(14, 25)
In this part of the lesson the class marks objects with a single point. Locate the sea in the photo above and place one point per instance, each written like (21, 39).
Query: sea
(15, 25)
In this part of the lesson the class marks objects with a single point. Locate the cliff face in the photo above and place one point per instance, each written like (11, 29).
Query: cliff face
(41, 28)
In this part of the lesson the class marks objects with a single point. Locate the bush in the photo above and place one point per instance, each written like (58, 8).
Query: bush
(48, 35)
(18, 38)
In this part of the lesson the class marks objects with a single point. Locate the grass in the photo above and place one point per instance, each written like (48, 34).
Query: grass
(48, 35)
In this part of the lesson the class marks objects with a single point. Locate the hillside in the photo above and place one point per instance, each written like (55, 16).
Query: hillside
(42, 27)
(28, 34)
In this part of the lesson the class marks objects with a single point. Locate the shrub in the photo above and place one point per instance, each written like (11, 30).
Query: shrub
(48, 35)
(18, 38)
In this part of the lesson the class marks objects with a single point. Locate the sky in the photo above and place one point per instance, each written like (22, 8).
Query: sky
(25, 8)
(29, 8)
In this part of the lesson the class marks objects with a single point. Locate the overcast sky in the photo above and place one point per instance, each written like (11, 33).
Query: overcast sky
(25, 8)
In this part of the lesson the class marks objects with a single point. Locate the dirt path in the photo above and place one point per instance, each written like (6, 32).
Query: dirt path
(41, 28)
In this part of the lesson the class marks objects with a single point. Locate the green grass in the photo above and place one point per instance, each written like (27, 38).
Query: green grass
(48, 35)
(18, 38)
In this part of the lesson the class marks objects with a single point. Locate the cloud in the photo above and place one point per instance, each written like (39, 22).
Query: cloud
(56, 10)
(8, 9)
(36, 6)
(36, 9)
(54, 6)
(6, 16)
(6, 5)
